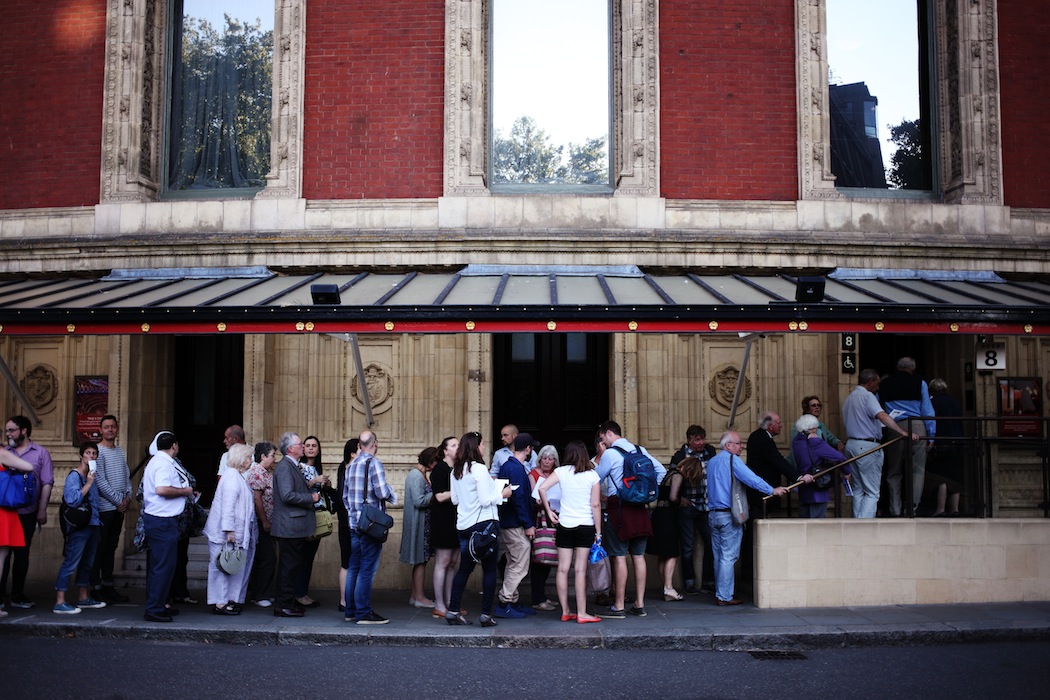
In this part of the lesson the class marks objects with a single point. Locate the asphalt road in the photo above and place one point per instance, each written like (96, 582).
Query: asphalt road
(82, 669)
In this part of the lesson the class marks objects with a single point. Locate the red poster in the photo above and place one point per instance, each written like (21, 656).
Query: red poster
(90, 403)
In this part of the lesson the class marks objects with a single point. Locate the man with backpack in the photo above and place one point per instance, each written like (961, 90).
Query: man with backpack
(630, 477)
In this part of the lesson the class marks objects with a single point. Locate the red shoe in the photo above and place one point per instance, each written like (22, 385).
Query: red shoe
(585, 619)
(568, 617)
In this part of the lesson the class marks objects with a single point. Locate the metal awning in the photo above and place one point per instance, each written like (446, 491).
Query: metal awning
(529, 298)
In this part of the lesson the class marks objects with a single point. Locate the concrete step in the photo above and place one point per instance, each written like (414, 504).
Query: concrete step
(133, 574)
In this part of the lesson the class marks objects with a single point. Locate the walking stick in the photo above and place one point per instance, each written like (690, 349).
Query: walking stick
(841, 464)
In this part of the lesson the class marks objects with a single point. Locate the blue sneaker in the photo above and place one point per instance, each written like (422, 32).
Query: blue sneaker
(523, 609)
(66, 609)
(505, 610)
(90, 603)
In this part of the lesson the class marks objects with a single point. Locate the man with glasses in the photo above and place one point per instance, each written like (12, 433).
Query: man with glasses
(31, 515)
(812, 405)
(293, 521)
(726, 535)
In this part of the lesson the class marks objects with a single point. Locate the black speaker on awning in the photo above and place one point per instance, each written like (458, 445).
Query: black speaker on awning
(809, 289)
(324, 294)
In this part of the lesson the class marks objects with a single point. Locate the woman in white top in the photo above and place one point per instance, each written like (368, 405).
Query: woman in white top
(231, 521)
(476, 496)
(578, 524)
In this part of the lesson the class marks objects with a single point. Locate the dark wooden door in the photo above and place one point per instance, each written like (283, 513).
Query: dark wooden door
(554, 386)
(209, 397)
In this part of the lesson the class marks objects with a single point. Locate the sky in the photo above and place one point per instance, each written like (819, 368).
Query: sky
(555, 72)
(214, 11)
(876, 43)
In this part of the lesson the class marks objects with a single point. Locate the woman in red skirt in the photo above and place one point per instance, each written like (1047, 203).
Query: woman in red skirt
(11, 534)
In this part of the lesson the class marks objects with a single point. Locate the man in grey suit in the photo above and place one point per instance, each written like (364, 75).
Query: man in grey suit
(293, 521)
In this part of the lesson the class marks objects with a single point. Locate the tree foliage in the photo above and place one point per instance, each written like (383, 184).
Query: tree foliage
(221, 106)
(527, 156)
(908, 167)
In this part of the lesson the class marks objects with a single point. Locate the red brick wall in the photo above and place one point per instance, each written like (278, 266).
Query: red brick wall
(727, 94)
(1024, 59)
(374, 98)
(52, 58)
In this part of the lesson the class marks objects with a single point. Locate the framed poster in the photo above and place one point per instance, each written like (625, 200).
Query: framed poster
(1020, 407)
(90, 403)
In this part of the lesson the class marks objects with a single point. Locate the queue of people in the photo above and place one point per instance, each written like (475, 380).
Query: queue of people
(543, 512)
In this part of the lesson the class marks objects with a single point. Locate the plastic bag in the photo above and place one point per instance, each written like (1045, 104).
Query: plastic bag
(597, 553)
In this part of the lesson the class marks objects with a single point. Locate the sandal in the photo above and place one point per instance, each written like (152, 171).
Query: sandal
(672, 594)
(546, 606)
(225, 610)
(454, 619)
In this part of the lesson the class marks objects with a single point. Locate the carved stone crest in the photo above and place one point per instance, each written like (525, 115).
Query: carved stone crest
(380, 386)
(722, 386)
(40, 386)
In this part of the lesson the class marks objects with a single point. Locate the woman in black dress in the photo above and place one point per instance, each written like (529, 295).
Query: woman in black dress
(666, 542)
(444, 539)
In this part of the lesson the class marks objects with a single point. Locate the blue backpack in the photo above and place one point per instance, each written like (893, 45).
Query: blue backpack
(639, 477)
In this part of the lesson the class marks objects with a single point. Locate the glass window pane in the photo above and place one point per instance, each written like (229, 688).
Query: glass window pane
(221, 87)
(550, 92)
(879, 94)
(523, 347)
(576, 348)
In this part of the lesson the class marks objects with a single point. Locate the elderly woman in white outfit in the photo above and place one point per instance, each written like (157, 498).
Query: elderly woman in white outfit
(231, 520)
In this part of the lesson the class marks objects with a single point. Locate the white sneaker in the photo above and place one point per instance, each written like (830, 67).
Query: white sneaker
(264, 603)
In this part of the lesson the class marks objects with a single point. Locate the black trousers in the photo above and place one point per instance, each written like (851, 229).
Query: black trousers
(108, 540)
(260, 585)
(289, 562)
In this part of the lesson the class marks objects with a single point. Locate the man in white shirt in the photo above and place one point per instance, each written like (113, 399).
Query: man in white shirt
(165, 489)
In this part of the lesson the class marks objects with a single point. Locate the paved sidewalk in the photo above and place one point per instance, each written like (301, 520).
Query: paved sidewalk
(693, 624)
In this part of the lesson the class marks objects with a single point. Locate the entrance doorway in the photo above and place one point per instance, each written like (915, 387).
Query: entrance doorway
(553, 386)
(209, 381)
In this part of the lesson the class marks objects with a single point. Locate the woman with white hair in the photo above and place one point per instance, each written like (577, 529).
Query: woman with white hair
(813, 454)
(231, 522)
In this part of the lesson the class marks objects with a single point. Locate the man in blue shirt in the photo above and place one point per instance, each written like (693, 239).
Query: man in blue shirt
(905, 396)
(517, 526)
(726, 534)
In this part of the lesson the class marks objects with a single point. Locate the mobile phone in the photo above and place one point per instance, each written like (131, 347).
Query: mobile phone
(92, 465)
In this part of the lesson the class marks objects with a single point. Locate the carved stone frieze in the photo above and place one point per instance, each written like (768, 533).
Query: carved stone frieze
(815, 178)
(379, 382)
(40, 385)
(722, 387)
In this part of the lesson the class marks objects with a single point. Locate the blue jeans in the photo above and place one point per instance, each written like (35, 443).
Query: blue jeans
(78, 557)
(867, 478)
(163, 537)
(690, 520)
(466, 568)
(812, 510)
(364, 562)
(725, 543)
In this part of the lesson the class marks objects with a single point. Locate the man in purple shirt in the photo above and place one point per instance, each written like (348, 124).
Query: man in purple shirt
(18, 430)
